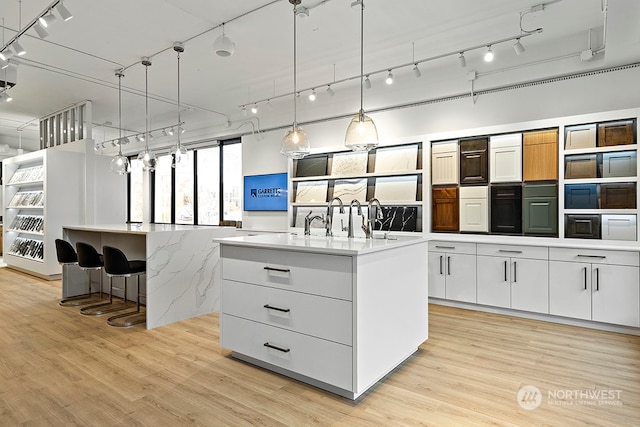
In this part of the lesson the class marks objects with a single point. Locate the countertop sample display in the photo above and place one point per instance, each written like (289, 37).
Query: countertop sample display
(182, 279)
(337, 313)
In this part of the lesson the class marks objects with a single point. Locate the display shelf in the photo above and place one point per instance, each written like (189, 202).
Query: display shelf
(27, 248)
(346, 204)
(27, 175)
(600, 180)
(356, 176)
(600, 211)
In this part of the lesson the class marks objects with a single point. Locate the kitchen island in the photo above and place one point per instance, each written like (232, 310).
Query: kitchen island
(338, 313)
(182, 262)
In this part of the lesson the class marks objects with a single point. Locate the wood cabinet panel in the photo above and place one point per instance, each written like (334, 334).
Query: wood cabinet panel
(445, 209)
(540, 155)
(582, 226)
(616, 133)
(506, 209)
(582, 166)
(577, 137)
(618, 196)
(473, 161)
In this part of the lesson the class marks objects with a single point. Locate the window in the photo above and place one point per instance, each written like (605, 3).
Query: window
(204, 188)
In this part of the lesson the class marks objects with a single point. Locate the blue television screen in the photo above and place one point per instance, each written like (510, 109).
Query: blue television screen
(266, 192)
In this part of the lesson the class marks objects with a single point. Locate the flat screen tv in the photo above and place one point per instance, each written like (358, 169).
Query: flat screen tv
(266, 192)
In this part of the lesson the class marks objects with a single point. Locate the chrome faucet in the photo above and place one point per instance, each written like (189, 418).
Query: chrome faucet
(308, 220)
(329, 222)
(371, 221)
(350, 226)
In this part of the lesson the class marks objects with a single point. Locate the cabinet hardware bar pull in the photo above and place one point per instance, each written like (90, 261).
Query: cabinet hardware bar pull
(270, 307)
(515, 272)
(504, 251)
(585, 278)
(592, 256)
(275, 347)
(441, 262)
(597, 279)
(445, 247)
(505, 271)
(449, 265)
(281, 270)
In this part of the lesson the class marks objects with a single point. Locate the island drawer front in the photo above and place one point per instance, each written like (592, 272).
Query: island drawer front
(595, 256)
(321, 317)
(322, 360)
(514, 251)
(452, 247)
(317, 274)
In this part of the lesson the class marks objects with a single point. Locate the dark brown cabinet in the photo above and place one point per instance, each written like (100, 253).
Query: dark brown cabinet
(616, 133)
(582, 226)
(620, 195)
(445, 209)
(474, 161)
(506, 209)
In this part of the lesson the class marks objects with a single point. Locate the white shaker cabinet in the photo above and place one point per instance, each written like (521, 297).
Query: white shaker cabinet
(505, 164)
(445, 163)
(452, 271)
(474, 209)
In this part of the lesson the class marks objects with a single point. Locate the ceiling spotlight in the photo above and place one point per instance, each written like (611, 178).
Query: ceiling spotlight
(125, 140)
(462, 62)
(227, 123)
(367, 82)
(181, 129)
(64, 12)
(223, 46)
(17, 48)
(114, 143)
(3, 64)
(312, 95)
(416, 71)
(42, 33)
(6, 97)
(389, 79)
(164, 132)
(151, 136)
(139, 138)
(254, 109)
(488, 56)
(330, 91)
(518, 48)
(244, 111)
(171, 131)
(47, 19)
(6, 54)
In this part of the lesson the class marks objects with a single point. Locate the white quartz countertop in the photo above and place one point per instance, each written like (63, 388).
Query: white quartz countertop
(138, 228)
(322, 244)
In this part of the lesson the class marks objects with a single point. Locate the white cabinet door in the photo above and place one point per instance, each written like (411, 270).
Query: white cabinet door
(505, 164)
(436, 275)
(444, 163)
(460, 277)
(530, 285)
(474, 210)
(615, 294)
(570, 289)
(494, 279)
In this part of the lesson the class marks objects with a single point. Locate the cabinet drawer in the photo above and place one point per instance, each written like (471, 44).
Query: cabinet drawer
(322, 317)
(318, 274)
(452, 247)
(618, 196)
(619, 227)
(319, 359)
(595, 256)
(581, 196)
(616, 133)
(580, 137)
(582, 166)
(582, 226)
(618, 164)
(513, 251)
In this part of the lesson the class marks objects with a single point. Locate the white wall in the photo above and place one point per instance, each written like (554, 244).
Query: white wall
(597, 93)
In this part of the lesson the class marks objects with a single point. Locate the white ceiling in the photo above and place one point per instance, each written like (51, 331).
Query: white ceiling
(79, 58)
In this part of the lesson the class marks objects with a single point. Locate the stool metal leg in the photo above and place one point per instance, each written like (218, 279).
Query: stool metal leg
(139, 317)
(78, 299)
(109, 307)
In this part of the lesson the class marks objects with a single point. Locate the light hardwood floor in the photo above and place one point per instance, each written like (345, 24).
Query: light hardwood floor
(58, 368)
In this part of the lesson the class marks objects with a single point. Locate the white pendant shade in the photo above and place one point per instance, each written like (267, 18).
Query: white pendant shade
(295, 144)
(223, 46)
(120, 164)
(362, 134)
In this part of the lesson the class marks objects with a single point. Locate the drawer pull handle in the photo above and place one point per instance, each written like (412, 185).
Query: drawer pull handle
(449, 265)
(592, 256)
(515, 272)
(270, 307)
(441, 264)
(504, 251)
(597, 279)
(275, 347)
(585, 278)
(445, 247)
(505, 271)
(281, 270)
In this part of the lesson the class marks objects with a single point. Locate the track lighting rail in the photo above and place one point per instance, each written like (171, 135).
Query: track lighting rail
(33, 22)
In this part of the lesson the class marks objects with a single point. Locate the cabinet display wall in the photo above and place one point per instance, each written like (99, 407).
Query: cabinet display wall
(496, 184)
(600, 180)
(392, 174)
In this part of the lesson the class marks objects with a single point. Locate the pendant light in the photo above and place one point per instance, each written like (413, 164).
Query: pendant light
(362, 134)
(120, 164)
(295, 143)
(147, 158)
(178, 151)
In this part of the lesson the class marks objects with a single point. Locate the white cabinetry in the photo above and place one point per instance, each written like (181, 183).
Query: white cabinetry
(513, 277)
(505, 164)
(43, 192)
(452, 271)
(445, 163)
(595, 285)
(474, 209)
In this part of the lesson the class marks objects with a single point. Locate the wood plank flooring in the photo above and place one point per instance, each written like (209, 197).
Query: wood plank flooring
(58, 368)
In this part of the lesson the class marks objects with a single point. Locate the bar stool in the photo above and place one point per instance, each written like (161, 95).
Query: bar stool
(116, 264)
(67, 256)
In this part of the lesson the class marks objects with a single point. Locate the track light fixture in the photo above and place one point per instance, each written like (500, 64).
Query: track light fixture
(3, 64)
(6, 97)
(64, 12)
(42, 33)
(367, 82)
(389, 79)
(17, 48)
(488, 56)
(254, 109)
(518, 48)
(47, 19)
(416, 71)
(244, 111)
(223, 46)
(462, 62)
(330, 91)
(171, 131)
(164, 132)
(312, 95)
(6, 54)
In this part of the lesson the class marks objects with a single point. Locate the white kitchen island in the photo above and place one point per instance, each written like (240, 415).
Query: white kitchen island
(336, 313)
(182, 262)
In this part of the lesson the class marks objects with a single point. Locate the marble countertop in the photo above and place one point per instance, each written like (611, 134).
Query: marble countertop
(139, 228)
(322, 244)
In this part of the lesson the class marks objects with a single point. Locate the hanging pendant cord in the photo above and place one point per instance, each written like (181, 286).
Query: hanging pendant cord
(179, 121)
(361, 59)
(120, 113)
(295, 71)
(146, 98)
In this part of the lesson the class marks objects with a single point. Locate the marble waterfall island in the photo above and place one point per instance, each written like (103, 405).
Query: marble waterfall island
(338, 313)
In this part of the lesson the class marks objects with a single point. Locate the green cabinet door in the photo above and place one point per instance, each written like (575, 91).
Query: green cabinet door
(540, 209)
